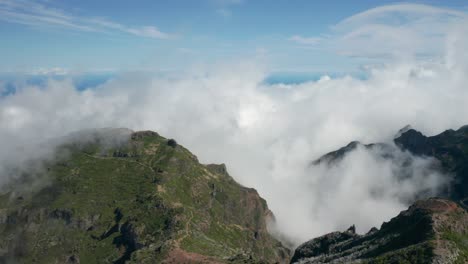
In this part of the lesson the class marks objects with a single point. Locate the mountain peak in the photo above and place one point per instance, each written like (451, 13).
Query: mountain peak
(403, 130)
(434, 206)
(414, 141)
(143, 200)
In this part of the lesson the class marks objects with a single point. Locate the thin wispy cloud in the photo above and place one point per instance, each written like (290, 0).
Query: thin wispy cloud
(35, 14)
(391, 30)
(395, 29)
(407, 12)
(50, 71)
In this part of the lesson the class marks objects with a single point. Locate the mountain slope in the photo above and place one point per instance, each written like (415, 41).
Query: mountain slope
(430, 231)
(143, 200)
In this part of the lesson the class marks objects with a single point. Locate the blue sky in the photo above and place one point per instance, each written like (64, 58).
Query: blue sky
(288, 36)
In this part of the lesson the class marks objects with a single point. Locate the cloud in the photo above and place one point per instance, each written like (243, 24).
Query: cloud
(146, 31)
(366, 188)
(305, 40)
(34, 14)
(50, 71)
(397, 30)
(400, 14)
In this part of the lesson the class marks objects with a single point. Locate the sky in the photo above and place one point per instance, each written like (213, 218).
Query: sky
(231, 81)
(51, 36)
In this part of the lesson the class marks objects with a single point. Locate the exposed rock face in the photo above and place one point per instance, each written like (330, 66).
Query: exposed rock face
(430, 231)
(321, 245)
(144, 200)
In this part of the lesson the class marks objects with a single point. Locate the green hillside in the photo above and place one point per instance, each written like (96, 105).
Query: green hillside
(146, 200)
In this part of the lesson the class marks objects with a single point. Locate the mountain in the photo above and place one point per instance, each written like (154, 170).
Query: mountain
(450, 148)
(337, 155)
(430, 231)
(144, 199)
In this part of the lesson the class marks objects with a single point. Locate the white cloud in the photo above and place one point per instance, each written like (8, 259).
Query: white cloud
(37, 14)
(50, 71)
(402, 29)
(397, 30)
(399, 14)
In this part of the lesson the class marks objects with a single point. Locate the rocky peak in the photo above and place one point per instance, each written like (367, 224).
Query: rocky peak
(351, 229)
(414, 141)
(403, 130)
(433, 206)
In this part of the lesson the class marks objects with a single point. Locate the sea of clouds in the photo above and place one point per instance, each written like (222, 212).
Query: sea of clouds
(268, 134)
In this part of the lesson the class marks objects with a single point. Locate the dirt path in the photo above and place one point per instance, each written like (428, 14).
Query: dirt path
(186, 229)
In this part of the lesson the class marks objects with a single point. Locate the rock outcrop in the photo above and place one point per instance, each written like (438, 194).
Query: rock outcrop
(430, 231)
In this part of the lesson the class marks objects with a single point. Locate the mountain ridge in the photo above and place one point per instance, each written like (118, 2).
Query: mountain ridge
(140, 200)
(429, 231)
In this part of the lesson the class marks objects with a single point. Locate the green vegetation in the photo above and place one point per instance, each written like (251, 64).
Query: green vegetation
(136, 203)
(415, 254)
(461, 243)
